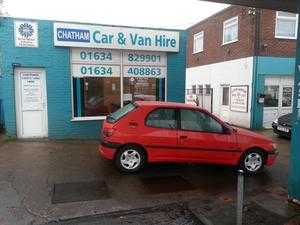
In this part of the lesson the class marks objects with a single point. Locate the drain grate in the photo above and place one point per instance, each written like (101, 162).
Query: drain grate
(171, 214)
(166, 184)
(79, 191)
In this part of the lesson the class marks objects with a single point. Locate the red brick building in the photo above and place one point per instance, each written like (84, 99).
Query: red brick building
(245, 51)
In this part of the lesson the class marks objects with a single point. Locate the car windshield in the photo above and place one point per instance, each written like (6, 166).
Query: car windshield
(115, 116)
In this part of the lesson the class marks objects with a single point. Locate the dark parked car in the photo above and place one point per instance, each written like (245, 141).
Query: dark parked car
(283, 125)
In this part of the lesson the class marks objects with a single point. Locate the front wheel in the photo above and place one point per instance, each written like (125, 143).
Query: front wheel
(130, 159)
(252, 162)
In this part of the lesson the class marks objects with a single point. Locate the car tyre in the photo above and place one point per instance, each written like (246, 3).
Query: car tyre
(130, 159)
(252, 162)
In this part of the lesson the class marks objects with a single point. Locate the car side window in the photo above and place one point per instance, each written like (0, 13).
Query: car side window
(162, 118)
(194, 120)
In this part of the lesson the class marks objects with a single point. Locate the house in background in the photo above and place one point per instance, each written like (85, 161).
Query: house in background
(240, 65)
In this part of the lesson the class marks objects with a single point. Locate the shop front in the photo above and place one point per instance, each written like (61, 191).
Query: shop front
(60, 80)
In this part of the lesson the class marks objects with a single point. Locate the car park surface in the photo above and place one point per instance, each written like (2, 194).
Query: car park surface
(144, 132)
(30, 171)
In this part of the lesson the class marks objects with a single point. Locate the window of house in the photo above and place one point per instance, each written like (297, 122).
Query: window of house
(198, 42)
(286, 25)
(271, 96)
(225, 95)
(230, 30)
(162, 118)
(198, 121)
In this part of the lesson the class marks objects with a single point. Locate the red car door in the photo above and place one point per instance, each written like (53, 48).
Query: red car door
(202, 138)
(160, 134)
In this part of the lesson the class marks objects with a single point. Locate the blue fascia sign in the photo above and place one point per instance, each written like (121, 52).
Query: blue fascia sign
(89, 36)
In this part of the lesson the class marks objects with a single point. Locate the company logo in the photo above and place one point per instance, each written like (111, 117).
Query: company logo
(26, 30)
(74, 35)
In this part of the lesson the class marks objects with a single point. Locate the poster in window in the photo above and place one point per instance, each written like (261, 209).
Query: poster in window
(239, 98)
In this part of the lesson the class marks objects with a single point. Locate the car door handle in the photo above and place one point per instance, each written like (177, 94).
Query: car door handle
(183, 137)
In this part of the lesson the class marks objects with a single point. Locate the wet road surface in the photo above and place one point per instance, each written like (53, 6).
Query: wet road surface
(44, 181)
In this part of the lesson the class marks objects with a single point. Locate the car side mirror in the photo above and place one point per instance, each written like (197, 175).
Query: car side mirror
(226, 130)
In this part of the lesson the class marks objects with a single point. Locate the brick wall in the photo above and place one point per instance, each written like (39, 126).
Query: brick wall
(215, 52)
(269, 45)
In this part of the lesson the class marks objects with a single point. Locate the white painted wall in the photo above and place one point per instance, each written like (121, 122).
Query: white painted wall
(234, 72)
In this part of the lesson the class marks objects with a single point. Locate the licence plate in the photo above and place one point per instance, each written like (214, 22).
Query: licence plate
(284, 129)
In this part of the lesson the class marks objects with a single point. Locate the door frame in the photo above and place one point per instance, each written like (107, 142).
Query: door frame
(279, 81)
(18, 99)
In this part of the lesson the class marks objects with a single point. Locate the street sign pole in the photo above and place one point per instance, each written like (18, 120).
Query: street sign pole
(240, 198)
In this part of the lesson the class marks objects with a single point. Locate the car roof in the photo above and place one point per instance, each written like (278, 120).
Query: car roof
(165, 104)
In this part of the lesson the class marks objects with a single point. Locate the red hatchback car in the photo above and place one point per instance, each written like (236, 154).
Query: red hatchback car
(146, 132)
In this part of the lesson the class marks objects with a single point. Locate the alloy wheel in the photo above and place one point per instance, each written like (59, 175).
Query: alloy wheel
(253, 161)
(130, 159)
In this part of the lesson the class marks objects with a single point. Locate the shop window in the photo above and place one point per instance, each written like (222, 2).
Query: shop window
(286, 25)
(162, 118)
(225, 96)
(198, 42)
(197, 121)
(143, 89)
(287, 96)
(230, 30)
(271, 96)
(96, 96)
(99, 74)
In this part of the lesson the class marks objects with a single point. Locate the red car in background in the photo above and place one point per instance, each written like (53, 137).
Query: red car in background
(147, 132)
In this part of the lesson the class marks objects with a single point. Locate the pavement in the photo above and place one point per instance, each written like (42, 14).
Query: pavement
(66, 182)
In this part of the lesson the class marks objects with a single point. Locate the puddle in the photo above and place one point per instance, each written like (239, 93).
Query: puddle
(166, 184)
(171, 214)
(79, 191)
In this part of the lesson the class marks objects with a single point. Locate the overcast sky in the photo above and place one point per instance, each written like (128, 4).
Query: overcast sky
(146, 13)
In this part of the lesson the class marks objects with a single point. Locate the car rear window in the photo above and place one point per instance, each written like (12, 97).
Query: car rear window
(117, 115)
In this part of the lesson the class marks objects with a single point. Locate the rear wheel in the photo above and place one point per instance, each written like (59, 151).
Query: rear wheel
(252, 162)
(130, 159)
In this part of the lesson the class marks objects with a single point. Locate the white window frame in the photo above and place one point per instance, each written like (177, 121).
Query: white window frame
(227, 23)
(286, 18)
(197, 36)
